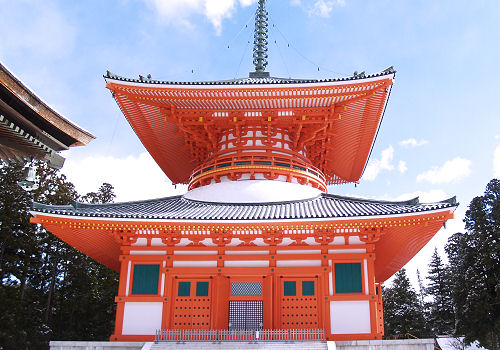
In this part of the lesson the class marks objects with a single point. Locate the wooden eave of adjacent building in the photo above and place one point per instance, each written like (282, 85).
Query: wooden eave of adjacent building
(396, 230)
(28, 126)
(336, 120)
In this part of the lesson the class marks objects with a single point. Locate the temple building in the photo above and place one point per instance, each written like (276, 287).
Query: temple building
(30, 128)
(256, 243)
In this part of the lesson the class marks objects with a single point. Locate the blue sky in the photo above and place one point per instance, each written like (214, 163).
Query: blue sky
(440, 135)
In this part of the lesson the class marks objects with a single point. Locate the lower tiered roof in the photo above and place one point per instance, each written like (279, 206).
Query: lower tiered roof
(396, 230)
(324, 206)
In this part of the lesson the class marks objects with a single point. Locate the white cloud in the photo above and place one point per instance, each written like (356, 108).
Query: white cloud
(375, 166)
(452, 171)
(424, 196)
(134, 178)
(411, 142)
(402, 166)
(323, 8)
(48, 33)
(320, 8)
(181, 11)
(246, 3)
(496, 162)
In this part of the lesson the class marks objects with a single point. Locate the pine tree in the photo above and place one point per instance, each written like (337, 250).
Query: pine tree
(48, 290)
(402, 313)
(441, 314)
(86, 310)
(474, 258)
(421, 293)
(20, 267)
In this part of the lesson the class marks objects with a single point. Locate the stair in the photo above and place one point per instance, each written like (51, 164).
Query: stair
(230, 345)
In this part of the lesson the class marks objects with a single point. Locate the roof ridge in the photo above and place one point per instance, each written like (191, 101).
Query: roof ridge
(413, 201)
(250, 81)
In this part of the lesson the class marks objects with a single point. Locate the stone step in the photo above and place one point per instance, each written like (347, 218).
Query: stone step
(261, 345)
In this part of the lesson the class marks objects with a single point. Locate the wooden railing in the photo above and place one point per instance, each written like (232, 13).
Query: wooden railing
(177, 335)
(258, 164)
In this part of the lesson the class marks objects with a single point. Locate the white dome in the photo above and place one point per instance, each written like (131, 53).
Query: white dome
(252, 191)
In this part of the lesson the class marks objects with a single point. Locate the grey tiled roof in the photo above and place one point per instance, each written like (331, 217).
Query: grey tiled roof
(250, 81)
(179, 208)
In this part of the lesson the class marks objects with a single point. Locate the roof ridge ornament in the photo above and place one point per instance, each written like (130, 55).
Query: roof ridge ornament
(260, 42)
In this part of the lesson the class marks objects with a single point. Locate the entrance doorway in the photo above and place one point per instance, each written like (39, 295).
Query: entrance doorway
(246, 306)
(299, 303)
(192, 301)
(245, 314)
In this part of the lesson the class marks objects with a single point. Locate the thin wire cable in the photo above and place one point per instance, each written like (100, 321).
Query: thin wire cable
(282, 58)
(114, 132)
(300, 53)
(241, 29)
(243, 56)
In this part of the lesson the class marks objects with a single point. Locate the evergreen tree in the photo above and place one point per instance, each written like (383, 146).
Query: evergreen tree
(441, 314)
(88, 291)
(421, 293)
(21, 271)
(48, 290)
(402, 313)
(474, 258)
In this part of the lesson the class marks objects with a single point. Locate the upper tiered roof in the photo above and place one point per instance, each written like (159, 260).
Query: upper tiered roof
(334, 121)
(329, 124)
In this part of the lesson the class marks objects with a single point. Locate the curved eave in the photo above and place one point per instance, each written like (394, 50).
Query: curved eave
(179, 208)
(47, 118)
(355, 127)
(403, 235)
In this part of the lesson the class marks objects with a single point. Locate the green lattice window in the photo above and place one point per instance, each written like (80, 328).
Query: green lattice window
(145, 279)
(307, 288)
(202, 289)
(348, 278)
(184, 289)
(289, 288)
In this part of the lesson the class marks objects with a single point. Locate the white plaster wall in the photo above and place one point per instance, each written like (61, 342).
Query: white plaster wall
(338, 240)
(142, 318)
(346, 251)
(201, 263)
(246, 263)
(286, 241)
(195, 252)
(140, 242)
(284, 263)
(285, 251)
(148, 252)
(156, 242)
(127, 287)
(310, 241)
(365, 267)
(246, 252)
(183, 242)
(350, 317)
(330, 278)
(355, 240)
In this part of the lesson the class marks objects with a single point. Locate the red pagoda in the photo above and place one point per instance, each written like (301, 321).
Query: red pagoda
(256, 243)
